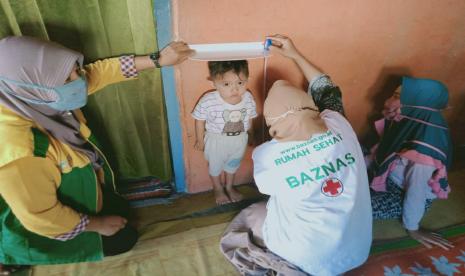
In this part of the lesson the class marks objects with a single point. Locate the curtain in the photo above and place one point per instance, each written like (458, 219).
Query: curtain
(129, 118)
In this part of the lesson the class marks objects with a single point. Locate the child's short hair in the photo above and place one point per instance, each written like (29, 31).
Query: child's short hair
(221, 67)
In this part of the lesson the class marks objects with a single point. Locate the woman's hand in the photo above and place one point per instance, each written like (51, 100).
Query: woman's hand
(106, 225)
(175, 53)
(430, 239)
(284, 46)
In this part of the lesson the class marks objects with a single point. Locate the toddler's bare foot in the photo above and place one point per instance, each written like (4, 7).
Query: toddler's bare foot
(220, 196)
(234, 194)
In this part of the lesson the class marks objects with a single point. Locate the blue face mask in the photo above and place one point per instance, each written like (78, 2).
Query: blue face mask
(70, 96)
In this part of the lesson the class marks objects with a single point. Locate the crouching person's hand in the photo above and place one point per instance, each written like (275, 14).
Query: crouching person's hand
(430, 239)
(106, 225)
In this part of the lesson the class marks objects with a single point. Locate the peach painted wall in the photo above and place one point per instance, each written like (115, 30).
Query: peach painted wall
(361, 44)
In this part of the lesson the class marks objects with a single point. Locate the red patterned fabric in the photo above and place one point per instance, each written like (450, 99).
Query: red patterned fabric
(417, 261)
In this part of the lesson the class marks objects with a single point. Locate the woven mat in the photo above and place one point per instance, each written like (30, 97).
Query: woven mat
(407, 257)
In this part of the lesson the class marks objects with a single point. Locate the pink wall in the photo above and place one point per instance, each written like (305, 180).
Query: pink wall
(361, 44)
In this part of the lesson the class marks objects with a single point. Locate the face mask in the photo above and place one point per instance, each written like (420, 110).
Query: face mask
(70, 96)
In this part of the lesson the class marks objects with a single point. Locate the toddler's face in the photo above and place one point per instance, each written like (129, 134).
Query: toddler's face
(231, 86)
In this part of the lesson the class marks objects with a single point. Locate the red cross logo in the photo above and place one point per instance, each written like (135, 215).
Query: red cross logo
(332, 187)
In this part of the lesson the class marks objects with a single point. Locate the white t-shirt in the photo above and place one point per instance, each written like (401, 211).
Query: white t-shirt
(222, 117)
(319, 212)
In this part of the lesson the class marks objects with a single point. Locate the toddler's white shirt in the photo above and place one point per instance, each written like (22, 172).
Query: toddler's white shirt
(216, 112)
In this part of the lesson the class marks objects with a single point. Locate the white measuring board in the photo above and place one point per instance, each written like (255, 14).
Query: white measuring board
(229, 51)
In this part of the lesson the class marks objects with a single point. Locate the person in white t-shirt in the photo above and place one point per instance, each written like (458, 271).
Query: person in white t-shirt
(319, 215)
(226, 114)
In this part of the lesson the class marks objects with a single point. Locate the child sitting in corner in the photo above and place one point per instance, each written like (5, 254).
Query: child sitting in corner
(226, 114)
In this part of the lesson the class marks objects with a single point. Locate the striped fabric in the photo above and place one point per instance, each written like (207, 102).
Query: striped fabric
(214, 110)
(144, 189)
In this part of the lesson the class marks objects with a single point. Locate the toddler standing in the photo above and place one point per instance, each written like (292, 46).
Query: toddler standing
(222, 119)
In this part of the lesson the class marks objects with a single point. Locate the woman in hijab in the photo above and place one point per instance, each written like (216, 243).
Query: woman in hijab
(54, 180)
(318, 218)
(411, 160)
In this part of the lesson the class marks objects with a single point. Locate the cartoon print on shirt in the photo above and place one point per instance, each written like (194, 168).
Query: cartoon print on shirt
(234, 121)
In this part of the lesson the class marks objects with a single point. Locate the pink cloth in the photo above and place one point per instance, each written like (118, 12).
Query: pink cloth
(379, 183)
(392, 110)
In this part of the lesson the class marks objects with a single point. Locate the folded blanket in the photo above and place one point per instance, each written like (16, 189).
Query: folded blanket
(149, 187)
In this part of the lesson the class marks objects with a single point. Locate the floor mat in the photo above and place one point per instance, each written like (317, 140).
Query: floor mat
(182, 237)
(192, 252)
(399, 258)
(189, 212)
